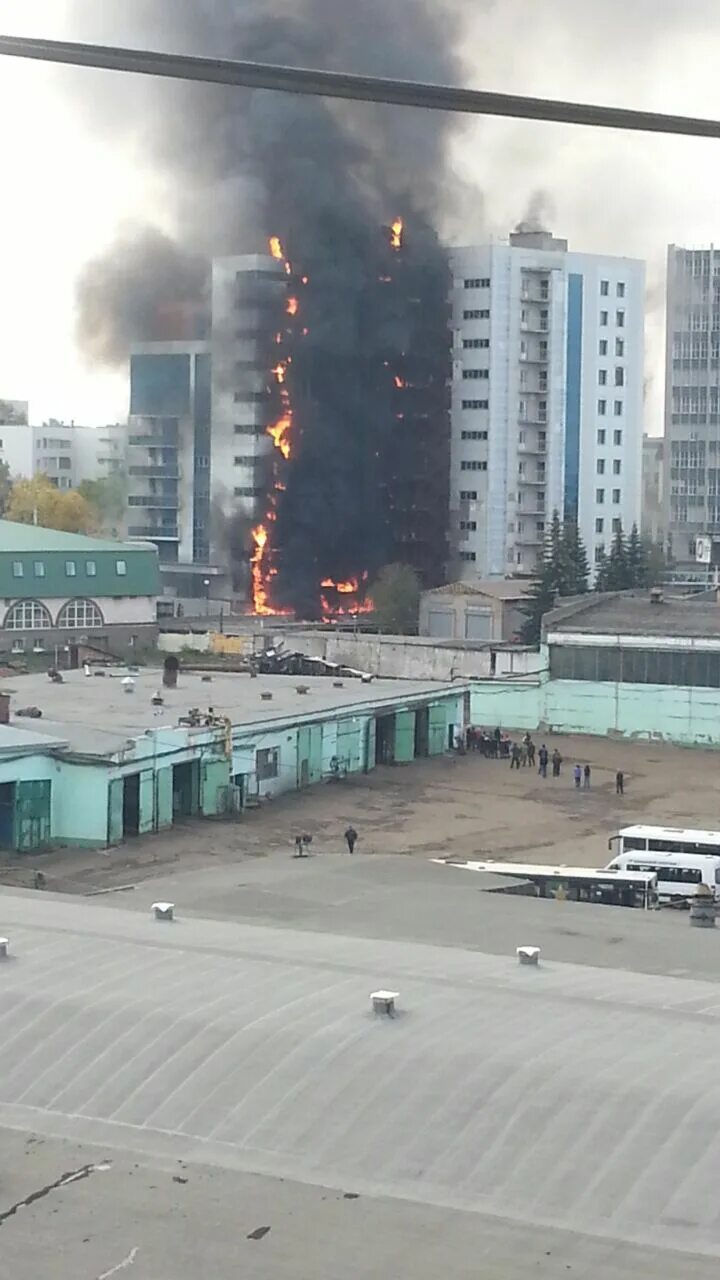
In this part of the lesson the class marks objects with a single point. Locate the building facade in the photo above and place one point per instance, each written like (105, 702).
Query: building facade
(63, 452)
(61, 589)
(547, 399)
(487, 612)
(653, 488)
(692, 400)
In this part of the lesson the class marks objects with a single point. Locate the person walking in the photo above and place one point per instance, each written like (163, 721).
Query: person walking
(619, 783)
(543, 757)
(577, 775)
(496, 742)
(556, 763)
(351, 836)
(587, 773)
(515, 754)
(531, 751)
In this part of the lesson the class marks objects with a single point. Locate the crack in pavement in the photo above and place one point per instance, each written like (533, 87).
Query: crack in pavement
(76, 1175)
(121, 1266)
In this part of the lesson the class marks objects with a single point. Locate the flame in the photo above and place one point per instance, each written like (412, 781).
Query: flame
(352, 587)
(276, 248)
(399, 382)
(292, 307)
(260, 595)
(280, 432)
(305, 279)
(396, 233)
(280, 371)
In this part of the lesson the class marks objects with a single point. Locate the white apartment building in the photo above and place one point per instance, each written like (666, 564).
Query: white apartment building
(244, 288)
(67, 454)
(547, 399)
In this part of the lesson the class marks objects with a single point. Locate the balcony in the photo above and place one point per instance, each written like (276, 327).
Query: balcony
(157, 502)
(170, 472)
(529, 539)
(155, 533)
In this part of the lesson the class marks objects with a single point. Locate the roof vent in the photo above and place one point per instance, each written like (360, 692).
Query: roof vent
(656, 596)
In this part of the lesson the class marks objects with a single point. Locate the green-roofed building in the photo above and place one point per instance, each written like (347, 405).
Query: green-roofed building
(65, 589)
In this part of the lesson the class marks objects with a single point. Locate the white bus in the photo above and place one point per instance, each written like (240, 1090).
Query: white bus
(683, 859)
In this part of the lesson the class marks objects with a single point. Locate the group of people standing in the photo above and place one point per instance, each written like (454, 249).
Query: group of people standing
(523, 755)
(497, 745)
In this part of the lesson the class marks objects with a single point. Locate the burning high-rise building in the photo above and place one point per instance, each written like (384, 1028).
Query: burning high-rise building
(329, 447)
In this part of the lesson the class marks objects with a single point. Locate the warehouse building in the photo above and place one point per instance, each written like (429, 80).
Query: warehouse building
(639, 665)
(59, 590)
(120, 756)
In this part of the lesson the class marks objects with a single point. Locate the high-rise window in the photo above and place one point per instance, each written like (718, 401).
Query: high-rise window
(601, 435)
(616, 497)
(600, 466)
(604, 288)
(602, 408)
(600, 496)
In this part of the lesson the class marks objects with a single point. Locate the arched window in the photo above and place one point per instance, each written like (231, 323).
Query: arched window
(80, 614)
(28, 615)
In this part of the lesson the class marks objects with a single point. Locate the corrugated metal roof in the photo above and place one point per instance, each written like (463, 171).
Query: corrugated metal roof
(29, 537)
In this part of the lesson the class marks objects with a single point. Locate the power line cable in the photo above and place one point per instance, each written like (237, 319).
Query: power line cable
(333, 84)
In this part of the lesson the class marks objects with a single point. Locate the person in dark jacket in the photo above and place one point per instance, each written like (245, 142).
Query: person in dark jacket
(556, 763)
(619, 783)
(543, 758)
(351, 836)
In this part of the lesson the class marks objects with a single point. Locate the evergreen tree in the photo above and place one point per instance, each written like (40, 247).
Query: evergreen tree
(618, 575)
(564, 573)
(540, 600)
(576, 561)
(637, 561)
(602, 573)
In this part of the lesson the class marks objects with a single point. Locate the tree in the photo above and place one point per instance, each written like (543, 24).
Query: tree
(618, 574)
(396, 597)
(5, 487)
(575, 559)
(637, 563)
(564, 572)
(540, 600)
(602, 573)
(108, 499)
(37, 501)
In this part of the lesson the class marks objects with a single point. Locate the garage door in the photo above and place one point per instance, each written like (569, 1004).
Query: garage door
(440, 623)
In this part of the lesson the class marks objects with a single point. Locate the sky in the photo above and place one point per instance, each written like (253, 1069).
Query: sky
(68, 187)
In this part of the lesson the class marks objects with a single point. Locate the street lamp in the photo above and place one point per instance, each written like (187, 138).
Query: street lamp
(206, 584)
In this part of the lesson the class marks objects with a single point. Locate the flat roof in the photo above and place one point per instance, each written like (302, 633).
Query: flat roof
(97, 716)
(550, 1116)
(633, 613)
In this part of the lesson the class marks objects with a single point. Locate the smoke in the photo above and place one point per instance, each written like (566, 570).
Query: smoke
(538, 215)
(367, 480)
(144, 288)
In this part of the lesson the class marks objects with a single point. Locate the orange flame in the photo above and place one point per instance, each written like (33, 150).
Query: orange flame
(396, 233)
(276, 248)
(280, 434)
(399, 382)
(279, 371)
(260, 595)
(293, 306)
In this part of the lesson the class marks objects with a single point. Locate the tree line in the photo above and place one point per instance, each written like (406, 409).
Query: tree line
(633, 562)
(96, 506)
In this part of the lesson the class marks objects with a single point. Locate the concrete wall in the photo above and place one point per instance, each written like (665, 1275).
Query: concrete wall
(410, 657)
(661, 713)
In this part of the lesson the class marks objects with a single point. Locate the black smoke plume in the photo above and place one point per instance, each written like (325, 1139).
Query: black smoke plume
(367, 480)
